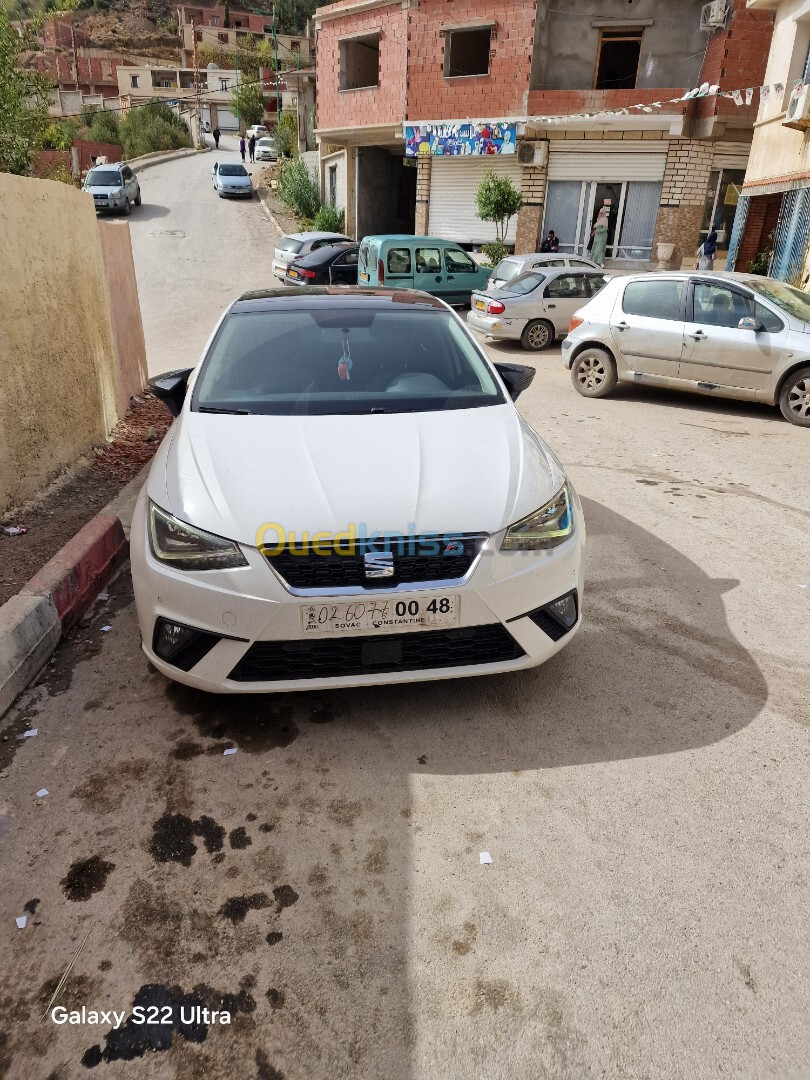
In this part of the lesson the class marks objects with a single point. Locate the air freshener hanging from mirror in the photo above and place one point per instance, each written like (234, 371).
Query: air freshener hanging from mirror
(345, 361)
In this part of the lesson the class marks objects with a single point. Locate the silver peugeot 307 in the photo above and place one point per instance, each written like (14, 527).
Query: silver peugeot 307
(724, 334)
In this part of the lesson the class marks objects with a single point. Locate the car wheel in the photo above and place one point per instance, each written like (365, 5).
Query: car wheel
(138, 199)
(127, 208)
(794, 398)
(537, 334)
(593, 373)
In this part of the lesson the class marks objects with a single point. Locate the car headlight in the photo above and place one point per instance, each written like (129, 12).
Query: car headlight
(186, 548)
(547, 527)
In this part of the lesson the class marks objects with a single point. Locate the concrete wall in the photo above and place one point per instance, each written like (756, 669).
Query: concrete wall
(59, 391)
(130, 369)
(671, 49)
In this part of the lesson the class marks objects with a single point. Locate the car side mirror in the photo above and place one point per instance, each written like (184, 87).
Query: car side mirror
(749, 323)
(171, 388)
(516, 377)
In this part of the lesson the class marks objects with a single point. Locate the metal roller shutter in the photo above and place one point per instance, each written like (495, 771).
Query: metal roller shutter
(636, 160)
(453, 183)
(791, 237)
(730, 155)
(226, 119)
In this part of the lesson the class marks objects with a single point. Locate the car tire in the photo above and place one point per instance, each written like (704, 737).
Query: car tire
(593, 373)
(138, 199)
(127, 208)
(537, 335)
(794, 398)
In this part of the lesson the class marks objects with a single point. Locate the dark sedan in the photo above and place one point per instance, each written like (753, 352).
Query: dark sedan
(334, 264)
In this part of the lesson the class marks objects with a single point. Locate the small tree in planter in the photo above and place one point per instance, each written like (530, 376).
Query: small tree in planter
(497, 200)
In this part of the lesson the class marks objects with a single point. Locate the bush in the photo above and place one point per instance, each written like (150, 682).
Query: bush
(297, 189)
(287, 136)
(328, 219)
(494, 252)
(104, 127)
(149, 128)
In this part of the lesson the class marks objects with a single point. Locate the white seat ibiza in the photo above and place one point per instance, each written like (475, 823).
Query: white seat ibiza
(348, 496)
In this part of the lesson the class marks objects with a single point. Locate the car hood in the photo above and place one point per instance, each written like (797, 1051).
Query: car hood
(234, 181)
(106, 190)
(470, 470)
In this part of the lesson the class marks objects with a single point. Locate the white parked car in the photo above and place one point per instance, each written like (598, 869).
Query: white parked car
(349, 496)
(513, 265)
(259, 130)
(231, 180)
(266, 149)
(299, 245)
(727, 335)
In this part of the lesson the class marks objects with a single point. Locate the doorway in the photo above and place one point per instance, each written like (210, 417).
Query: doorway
(572, 207)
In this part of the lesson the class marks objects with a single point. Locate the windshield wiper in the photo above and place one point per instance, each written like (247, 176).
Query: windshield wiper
(230, 412)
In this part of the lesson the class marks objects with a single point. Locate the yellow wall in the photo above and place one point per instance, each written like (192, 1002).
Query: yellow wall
(777, 150)
(60, 378)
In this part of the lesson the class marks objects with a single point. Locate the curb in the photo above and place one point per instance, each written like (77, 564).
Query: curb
(268, 211)
(33, 622)
(146, 161)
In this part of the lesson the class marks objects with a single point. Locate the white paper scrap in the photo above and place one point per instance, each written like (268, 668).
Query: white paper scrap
(231, 750)
(485, 857)
(43, 791)
(104, 629)
(21, 921)
(802, 586)
(30, 733)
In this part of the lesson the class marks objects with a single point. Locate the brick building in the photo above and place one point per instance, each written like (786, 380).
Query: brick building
(416, 98)
(70, 61)
(208, 25)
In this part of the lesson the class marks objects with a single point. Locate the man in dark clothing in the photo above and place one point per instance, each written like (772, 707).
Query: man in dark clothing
(242, 147)
(551, 243)
(216, 134)
(252, 146)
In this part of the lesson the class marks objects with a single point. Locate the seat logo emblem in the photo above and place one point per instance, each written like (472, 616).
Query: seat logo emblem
(378, 564)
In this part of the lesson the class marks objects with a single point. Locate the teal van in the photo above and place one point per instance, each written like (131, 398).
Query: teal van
(435, 266)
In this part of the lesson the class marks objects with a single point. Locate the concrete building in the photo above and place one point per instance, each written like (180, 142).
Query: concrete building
(548, 97)
(772, 228)
(208, 25)
(176, 87)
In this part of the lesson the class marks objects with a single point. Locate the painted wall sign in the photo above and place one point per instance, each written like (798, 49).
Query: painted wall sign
(460, 139)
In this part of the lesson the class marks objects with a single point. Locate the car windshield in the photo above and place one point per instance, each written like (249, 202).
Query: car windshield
(343, 361)
(289, 243)
(793, 301)
(266, 142)
(506, 269)
(526, 283)
(232, 170)
(104, 178)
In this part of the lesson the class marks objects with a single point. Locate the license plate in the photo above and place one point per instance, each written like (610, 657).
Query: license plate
(372, 616)
(480, 305)
(293, 273)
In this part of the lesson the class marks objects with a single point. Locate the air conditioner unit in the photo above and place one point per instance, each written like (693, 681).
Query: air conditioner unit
(713, 15)
(532, 153)
(798, 110)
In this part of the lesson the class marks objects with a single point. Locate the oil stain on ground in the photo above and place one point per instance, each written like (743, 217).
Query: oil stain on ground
(237, 907)
(248, 721)
(238, 838)
(86, 877)
(172, 839)
(133, 1040)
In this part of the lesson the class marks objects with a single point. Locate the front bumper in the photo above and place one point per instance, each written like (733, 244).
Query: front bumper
(495, 325)
(236, 193)
(250, 611)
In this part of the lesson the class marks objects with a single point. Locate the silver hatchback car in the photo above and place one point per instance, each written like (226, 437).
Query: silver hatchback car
(728, 335)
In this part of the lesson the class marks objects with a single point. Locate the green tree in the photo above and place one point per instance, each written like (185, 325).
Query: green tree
(249, 102)
(24, 103)
(105, 127)
(152, 127)
(497, 200)
(287, 135)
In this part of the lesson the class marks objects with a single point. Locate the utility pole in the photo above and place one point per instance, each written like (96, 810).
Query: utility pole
(275, 64)
(196, 83)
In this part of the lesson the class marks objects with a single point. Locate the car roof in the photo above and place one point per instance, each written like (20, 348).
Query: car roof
(329, 296)
(410, 238)
(325, 253)
(544, 255)
(681, 275)
(314, 236)
(109, 165)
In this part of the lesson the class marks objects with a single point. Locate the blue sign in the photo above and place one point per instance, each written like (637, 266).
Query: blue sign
(460, 139)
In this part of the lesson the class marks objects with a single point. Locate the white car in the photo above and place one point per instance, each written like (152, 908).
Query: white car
(231, 180)
(259, 130)
(514, 265)
(266, 149)
(348, 496)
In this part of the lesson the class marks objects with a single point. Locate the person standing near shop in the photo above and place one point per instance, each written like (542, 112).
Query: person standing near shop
(242, 146)
(599, 236)
(707, 251)
(216, 134)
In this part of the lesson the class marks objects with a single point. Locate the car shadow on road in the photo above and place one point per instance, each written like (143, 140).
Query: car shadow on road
(149, 212)
(654, 670)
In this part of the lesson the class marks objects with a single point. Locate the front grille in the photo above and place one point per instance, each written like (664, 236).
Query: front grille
(335, 570)
(266, 661)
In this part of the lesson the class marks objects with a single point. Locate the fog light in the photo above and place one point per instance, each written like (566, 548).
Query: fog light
(564, 609)
(182, 646)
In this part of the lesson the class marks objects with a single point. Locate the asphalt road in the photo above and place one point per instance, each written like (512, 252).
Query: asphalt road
(644, 798)
(194, 253)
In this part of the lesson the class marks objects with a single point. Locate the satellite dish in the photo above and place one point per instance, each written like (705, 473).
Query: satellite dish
(212, 67)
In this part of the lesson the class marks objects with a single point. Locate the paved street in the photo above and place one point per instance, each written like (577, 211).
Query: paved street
(644, 795)
(194, 253)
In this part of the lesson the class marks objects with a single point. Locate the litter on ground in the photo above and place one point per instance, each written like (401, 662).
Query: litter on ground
(21, 921)
(30, 733)
(485, 857)
(230, 750)
(43, 791)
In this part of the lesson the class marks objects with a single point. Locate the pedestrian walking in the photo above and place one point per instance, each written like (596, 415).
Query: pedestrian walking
(599, 236)
(216, 134)
(707, 251)
(551, 243)
(242, 146)
(252, 147)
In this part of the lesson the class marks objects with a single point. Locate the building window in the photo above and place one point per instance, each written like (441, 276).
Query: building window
(237, 22)
(214, 21)
(223, 84)
(295, 46)
(267, 28)
(360, 62)
(617, 59)
(198, 35)
(332, 185)
(134, 82)
(466, 52)
(224, 38)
